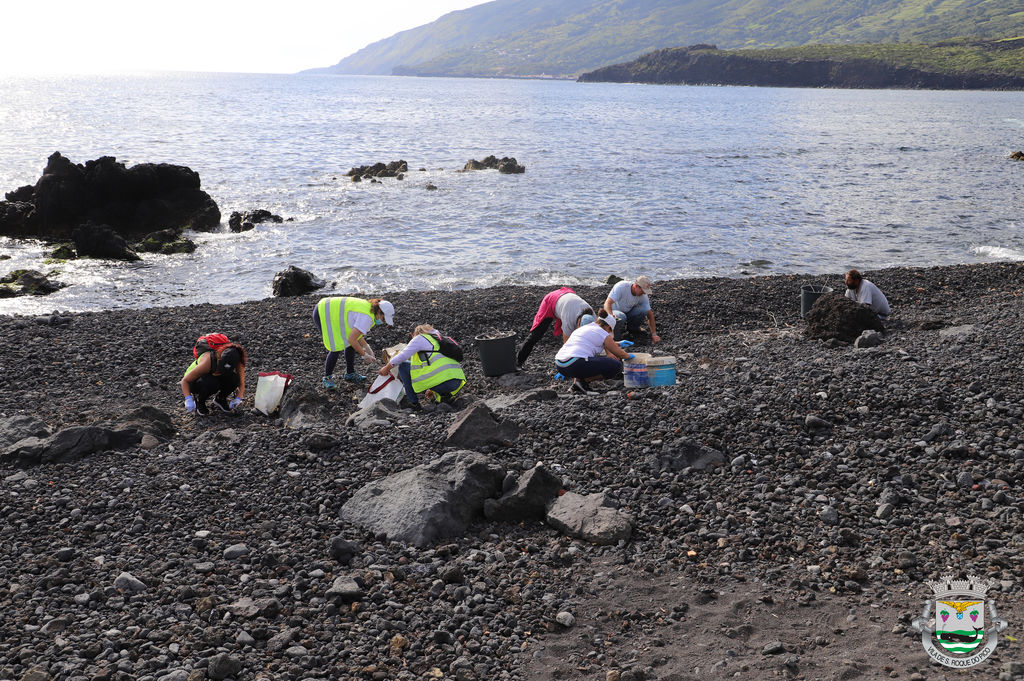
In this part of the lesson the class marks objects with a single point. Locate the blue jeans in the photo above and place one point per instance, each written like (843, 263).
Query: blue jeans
(444, 388)
(590, 367)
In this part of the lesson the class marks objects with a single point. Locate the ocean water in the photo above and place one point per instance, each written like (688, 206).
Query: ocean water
(663, 180)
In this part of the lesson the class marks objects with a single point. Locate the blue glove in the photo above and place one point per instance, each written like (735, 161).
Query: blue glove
(626, 343)
(559, 376)
(190, 404)
(632, 356)
(234, 403)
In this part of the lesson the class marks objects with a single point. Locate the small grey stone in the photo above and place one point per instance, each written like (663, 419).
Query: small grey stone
(236, 551)
(884, 512)
(65, 554)
(222, 666)
(127, 582)
(244, 639)
(176, 675)
(829, 515)
(566, 619)
(965, 480)
(773, 648)
(296, 651)
(344, 589)
(203, 567)
(812, 422)
(343, 550)
(281, 640)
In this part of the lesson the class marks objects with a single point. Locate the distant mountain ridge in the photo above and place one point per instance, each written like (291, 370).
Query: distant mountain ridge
(568, 37)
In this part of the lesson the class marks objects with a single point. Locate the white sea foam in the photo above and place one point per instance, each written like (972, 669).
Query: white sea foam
(998, 252)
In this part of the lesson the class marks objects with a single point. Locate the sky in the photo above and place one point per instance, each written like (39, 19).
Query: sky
(248, 36)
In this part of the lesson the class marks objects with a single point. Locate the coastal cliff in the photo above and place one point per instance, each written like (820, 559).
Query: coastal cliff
(835, 68)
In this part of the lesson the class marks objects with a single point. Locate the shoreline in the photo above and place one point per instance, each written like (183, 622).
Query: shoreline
(825, 533)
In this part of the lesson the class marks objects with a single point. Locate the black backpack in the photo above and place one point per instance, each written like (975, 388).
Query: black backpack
(447, 346)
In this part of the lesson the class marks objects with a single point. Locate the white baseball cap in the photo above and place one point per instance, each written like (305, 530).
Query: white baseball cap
(389, 312)
(644, 283)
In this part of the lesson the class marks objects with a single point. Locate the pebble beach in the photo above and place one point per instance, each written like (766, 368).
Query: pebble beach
(849, 476)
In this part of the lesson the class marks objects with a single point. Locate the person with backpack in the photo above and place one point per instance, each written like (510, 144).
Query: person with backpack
(218, 369)
(429, 364)
(591, 354)
(564, 308)
(344, 322)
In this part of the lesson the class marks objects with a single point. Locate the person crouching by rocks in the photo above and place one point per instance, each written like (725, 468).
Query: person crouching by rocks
(344, 323)
(423, 368)
(219, 372)
(863, 292)
(564, 308)
(581, 357)
(633, 300)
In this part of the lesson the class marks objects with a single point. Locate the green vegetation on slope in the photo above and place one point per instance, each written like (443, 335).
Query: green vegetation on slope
(961, 56)
(565, 38)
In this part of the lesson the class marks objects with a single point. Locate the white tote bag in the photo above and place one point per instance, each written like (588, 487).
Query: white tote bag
(383, 387)
(270, 387)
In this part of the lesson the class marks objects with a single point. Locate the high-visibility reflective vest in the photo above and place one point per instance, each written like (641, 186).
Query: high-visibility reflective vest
(193, 365)
(333, 316)
(428, 369)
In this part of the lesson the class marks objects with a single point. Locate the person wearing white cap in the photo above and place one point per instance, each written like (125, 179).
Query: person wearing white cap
(344, 323)
(633, 300)
(591, 354)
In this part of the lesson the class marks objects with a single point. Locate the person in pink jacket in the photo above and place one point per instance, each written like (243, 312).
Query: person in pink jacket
(564, 308)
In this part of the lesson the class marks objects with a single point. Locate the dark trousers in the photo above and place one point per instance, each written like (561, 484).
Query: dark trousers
(590, 367)
(332, 361)
(209, 384)
(535, 335)
(444, 388)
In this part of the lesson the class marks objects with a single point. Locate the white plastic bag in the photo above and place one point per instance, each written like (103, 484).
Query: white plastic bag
(383, 387)
(270, 387)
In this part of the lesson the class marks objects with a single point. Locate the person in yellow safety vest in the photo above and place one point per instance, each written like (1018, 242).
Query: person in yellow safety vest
(423, 368)
(344, 323)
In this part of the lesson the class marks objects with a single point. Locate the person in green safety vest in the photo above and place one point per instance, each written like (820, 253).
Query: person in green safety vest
(423, 368)
(343, 323)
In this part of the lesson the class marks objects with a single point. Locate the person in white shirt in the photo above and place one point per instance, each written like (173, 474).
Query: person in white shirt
(863, 292)
(423, 368)
(633, 300)
(591, 354)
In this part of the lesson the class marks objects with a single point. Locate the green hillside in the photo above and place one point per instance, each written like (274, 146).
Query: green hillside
(949, 65)
(568, 37)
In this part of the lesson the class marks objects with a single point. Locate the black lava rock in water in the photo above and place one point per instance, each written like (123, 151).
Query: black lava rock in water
(296, 282)
(393, 169)
(136, 200)
(100, 241)
(507, 165)
(27, 282)
(836, 316)
(243, 222)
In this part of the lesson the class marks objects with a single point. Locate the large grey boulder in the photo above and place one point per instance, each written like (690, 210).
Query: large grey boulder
(528, 500)
(433, 501)
(303, 408)
(70, 444)
(19, 427)
(381, 413)
(590, 518)
(682, 454)
(477, 426)
(505, 401)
